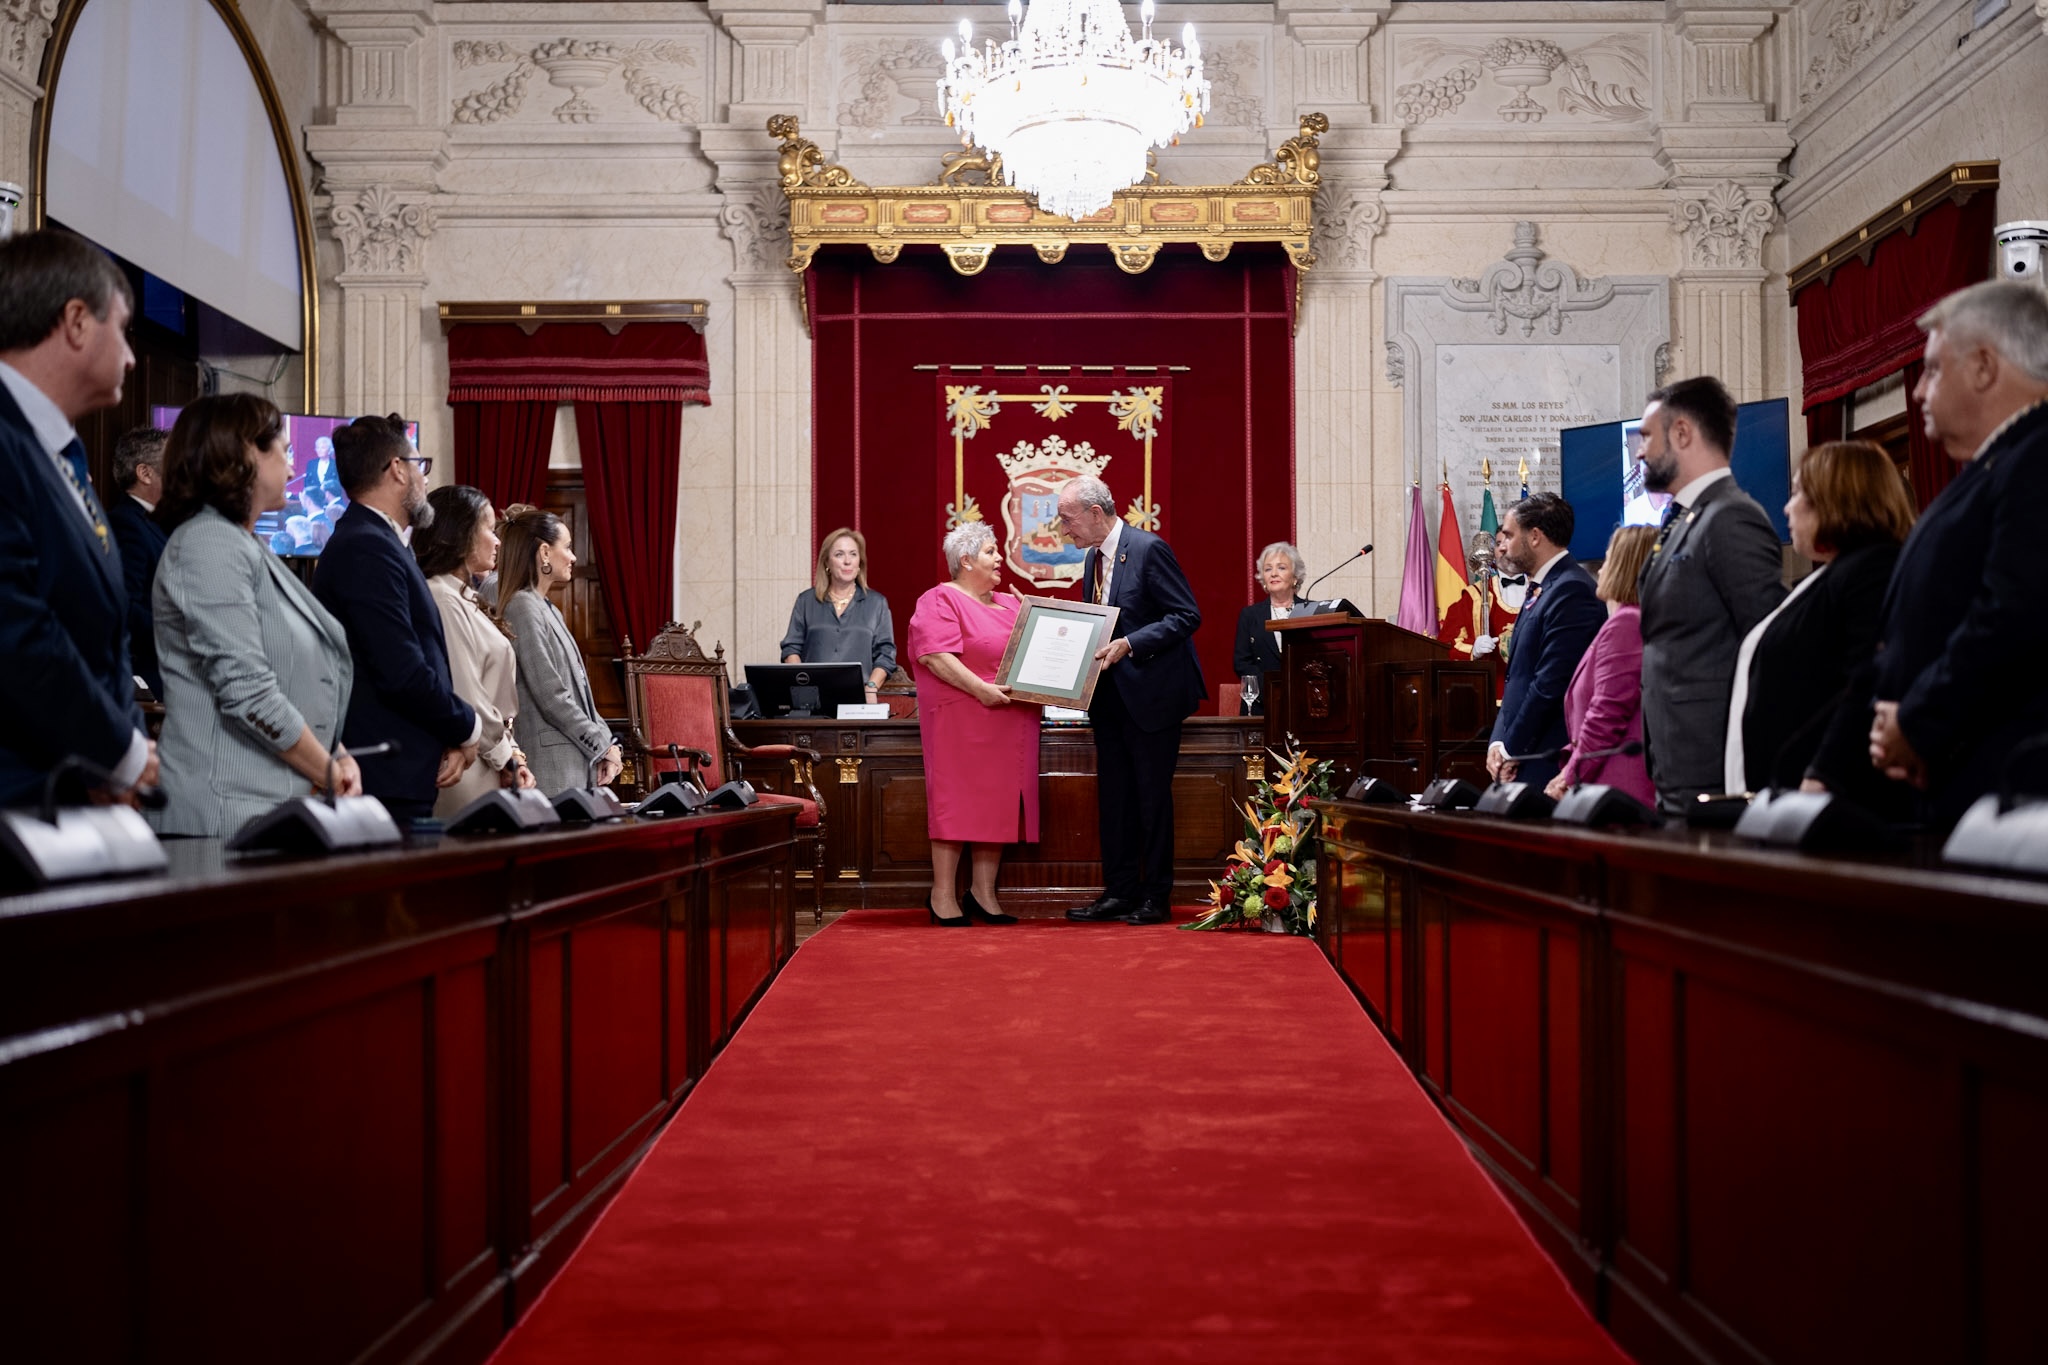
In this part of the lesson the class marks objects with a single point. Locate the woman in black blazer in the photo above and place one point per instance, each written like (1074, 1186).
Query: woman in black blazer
(1850, 511)
(1280, 570)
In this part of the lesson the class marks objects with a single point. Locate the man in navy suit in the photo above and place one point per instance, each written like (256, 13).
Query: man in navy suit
(139, 475)
(67, 688)
(1961, 675)
(1150, 683)
(369, 579)
(1559, 618)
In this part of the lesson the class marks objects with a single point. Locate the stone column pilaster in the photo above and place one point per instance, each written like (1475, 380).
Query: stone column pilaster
(772, 70)
(383, 234)
(25, 27)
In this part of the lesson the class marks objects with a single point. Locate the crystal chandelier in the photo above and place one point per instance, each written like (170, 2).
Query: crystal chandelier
(1072, 103)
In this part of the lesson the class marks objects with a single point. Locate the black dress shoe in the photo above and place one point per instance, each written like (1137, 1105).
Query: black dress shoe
(1148, 911)
(974, 911)
(1103, 910)
(958, 921)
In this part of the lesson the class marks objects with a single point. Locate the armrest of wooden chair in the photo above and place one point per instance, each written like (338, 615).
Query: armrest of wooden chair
(803, 762)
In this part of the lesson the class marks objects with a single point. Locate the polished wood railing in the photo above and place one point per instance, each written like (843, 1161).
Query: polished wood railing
(358, 1109)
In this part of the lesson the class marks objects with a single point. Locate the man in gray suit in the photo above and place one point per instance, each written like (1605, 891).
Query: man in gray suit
(1714, 572)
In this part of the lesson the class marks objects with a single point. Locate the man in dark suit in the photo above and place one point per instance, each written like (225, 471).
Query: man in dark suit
(139, 475)
(1559, 618)
(369, 579)
(67, 687)
(1151, 682)
(1714, 572)
(1961, 674)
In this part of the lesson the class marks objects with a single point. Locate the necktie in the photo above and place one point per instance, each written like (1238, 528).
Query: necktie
(80, 474)
(1102, 577)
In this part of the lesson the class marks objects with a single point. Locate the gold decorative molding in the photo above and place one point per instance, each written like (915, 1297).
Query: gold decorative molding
(1959, 182)
(849, 771)
(612, 316)
(967, 212)
(1254, 765)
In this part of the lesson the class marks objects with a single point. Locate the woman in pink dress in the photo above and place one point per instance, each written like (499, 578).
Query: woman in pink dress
(980, 748)
(1603, 706)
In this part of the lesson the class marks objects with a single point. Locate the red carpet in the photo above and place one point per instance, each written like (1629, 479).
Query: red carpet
(1057, 1143)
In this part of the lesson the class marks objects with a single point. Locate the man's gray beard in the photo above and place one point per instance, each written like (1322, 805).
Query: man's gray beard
(420, 513)
(1658, 478)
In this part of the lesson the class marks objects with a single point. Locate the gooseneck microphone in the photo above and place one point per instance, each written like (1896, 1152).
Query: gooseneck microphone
(1634, 746)
(149, 798)
(1310, 594)
(389, 746)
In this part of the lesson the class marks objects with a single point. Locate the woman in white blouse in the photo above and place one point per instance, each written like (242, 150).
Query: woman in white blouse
(456, 548)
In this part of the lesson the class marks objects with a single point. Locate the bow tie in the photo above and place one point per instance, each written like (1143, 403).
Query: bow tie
(1510, 580)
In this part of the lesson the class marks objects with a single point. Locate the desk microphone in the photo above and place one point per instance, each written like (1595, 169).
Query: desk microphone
(389, 746)
(1310, 594)
(1451, 793)
(149, 798)
(1634, 746)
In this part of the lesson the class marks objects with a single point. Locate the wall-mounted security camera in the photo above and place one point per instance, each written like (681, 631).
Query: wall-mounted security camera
(2020, 249)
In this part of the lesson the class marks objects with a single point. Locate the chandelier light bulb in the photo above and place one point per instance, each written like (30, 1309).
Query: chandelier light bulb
(966, 34)
(947, 48)
(1072, 102)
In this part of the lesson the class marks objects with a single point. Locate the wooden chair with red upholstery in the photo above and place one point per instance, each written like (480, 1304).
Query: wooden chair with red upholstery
(899, 693)
(676, 695)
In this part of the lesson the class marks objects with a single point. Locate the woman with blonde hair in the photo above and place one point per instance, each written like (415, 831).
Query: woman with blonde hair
(1603, 706)
(1849, 514)
(839, 618)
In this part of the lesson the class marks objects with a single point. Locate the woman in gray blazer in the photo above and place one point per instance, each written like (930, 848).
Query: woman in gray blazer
(256, 672)
(557, 725)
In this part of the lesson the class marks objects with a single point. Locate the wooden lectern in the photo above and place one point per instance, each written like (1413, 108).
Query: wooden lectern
(1380, 701)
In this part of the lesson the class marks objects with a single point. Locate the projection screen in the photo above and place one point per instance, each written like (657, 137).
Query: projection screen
(161, 151)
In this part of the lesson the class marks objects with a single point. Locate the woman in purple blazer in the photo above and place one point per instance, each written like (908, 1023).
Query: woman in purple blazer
(1603, 706)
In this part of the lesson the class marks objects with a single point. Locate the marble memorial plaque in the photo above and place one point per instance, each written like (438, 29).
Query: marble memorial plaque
(1506, 404)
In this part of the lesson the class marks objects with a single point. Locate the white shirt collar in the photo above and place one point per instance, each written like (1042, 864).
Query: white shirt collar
(1109, 541)
(146, 506)
(1690, 494)
(1540, 574)
(404, 533)
(45, 418)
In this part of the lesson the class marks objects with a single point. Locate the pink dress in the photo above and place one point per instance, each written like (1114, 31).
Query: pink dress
(1603, 708)
(980, 762)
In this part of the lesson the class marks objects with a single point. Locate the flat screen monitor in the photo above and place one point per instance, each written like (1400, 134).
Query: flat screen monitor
(807, 689)
(1601, 474)
(313, 500)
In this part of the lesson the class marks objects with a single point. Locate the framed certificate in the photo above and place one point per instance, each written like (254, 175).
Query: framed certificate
(1051, 655)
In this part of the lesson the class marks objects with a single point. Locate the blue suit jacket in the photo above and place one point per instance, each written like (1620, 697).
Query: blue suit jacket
(1161, 680)
(374, 587)
(1551, 635)
(67, 686)
(142, 545)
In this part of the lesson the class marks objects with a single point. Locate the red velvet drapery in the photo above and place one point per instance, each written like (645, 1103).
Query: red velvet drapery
(631, 454)
(1859, 324)
(882, 452)
(629, 388)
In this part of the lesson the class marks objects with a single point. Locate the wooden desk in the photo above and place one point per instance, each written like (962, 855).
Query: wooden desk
(878, 851)
(1758, 1106)
(356, 1109)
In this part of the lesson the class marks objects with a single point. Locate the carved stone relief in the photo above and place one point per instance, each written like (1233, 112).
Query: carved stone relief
(25, 27)
(1347, 221)
(1606, 79)
(881, 76)
(382, 234)
(755, 220)
(1724, 228)
(1840, 33)
(1236, 80)
(646, 69)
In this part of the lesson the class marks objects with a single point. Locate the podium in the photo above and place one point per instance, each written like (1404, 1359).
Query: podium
(1380, 701)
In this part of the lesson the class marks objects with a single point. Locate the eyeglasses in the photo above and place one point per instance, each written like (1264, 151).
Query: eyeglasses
(425, 462)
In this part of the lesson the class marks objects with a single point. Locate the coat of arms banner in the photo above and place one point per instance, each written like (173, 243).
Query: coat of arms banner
(1012, 436)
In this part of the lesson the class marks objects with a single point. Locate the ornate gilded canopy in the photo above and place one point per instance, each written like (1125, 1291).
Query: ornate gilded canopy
(968, 213)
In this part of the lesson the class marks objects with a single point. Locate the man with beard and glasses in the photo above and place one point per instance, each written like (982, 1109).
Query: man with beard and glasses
(369, 579)
(1713, 573)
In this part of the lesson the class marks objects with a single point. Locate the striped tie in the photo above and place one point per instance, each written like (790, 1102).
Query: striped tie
(80, 474)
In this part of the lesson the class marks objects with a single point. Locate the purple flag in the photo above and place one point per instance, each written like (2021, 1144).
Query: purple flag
(1418, 574)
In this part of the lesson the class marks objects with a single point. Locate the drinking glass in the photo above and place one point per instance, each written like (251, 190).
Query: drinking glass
(1250, 683)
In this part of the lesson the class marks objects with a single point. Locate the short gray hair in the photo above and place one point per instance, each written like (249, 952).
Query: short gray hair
(1282, 547)
(144, 445)
(1090, 491)
(2008, 316)
(966, 539)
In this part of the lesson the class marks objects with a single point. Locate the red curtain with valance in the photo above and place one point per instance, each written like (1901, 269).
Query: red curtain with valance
(887, 341)
(1859, 324)
(629, 388)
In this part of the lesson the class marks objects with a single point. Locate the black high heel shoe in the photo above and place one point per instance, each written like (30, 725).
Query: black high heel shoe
(974, 911)
(959, 921)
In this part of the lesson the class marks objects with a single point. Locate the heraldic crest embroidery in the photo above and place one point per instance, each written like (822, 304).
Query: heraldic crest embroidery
(1019, 433)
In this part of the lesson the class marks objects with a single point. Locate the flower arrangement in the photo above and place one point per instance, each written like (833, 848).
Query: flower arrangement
(1269, 881)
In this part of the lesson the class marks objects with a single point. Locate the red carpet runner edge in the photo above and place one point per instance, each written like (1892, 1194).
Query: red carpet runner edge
(1056, 1143)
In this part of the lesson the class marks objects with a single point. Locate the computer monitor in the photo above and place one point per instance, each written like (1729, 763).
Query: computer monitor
(807, 689)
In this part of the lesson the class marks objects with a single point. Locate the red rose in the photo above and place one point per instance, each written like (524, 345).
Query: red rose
(1276, 897)
(1275, 866)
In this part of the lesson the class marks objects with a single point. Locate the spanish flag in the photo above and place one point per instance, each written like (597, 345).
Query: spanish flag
(1457, 601)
